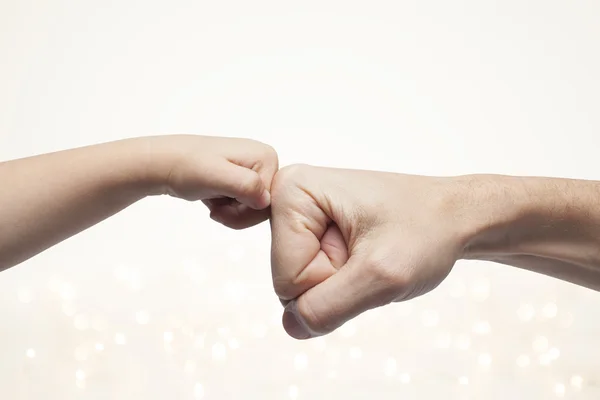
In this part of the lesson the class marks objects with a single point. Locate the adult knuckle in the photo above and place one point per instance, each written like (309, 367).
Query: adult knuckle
(383, 269)
(286, 178)
(284, 288)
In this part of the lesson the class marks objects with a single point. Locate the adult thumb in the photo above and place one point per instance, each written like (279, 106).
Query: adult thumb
(358, 286)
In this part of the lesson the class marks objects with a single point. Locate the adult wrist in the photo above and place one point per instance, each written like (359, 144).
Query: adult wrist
(549, 218)
(495, 211)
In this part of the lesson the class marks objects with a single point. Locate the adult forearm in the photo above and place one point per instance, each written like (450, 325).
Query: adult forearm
(48, 198)
(547, 225)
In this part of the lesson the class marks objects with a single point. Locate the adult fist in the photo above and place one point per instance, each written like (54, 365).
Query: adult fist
(346, 241)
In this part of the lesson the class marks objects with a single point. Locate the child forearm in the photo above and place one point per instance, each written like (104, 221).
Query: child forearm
(48, 198)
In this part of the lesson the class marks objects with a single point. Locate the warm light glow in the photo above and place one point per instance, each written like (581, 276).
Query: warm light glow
(391, 367)
(198, 391)
(293, 392)
(559, 389)
(301, 361)
(540, 344)
(405, 378)
(485, 360)
(142, 317)
(430, 318)
(523, 361)
(219, 352)
(526, 312)
(576, 381)
(120, 339)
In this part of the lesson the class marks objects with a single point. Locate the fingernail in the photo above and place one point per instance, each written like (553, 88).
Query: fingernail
(293, 323)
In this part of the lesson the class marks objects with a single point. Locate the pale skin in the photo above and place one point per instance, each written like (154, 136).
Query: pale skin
(346, 241)
(48, 198)
(343, 241)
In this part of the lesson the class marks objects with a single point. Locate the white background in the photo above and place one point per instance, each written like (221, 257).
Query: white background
(160, 303)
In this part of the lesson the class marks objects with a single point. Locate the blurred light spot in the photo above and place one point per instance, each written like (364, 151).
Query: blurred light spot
(79, 375)
(189, 367)
(443, 340)
(463, 342)
(404, 309)
(99, 323)
(554, 353)
(550, 310)
(30, 353)
(293, 392)
(99, 347)
(523, 361)
(120, 339)
(480, 290)
(391, 367)
(174, 321)
(187, 330)
(405, 378)
(199, 342)
(54, 285)
(457, 288)
(540, 344)
(234, 344)
(223, 331)
(236, 253)
(482, 328)
(300, 361)
(121, 273)
(430, 318)
(463, 380)
(219, 352)
(25, 296)
(168, 337)
(319, 343)
(142, 317)
(566, 320)
(69, 309)
(135, 282)
(576, 381)
(559, 389)
(526, 312)
(356, 353)
(81, 322)
(484, 360)
(198, 391)
(81, 353)
(67, 292)
(235, 291)
(260, 330)
(545, 359)
(348, 329)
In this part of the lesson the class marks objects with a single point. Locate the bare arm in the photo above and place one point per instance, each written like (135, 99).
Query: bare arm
(546, 225)
(346, 241)
(46, 199)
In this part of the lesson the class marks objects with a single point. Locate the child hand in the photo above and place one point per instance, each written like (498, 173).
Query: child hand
(231, 176)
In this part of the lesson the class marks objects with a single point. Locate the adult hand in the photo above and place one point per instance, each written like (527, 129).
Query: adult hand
(346, 241)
